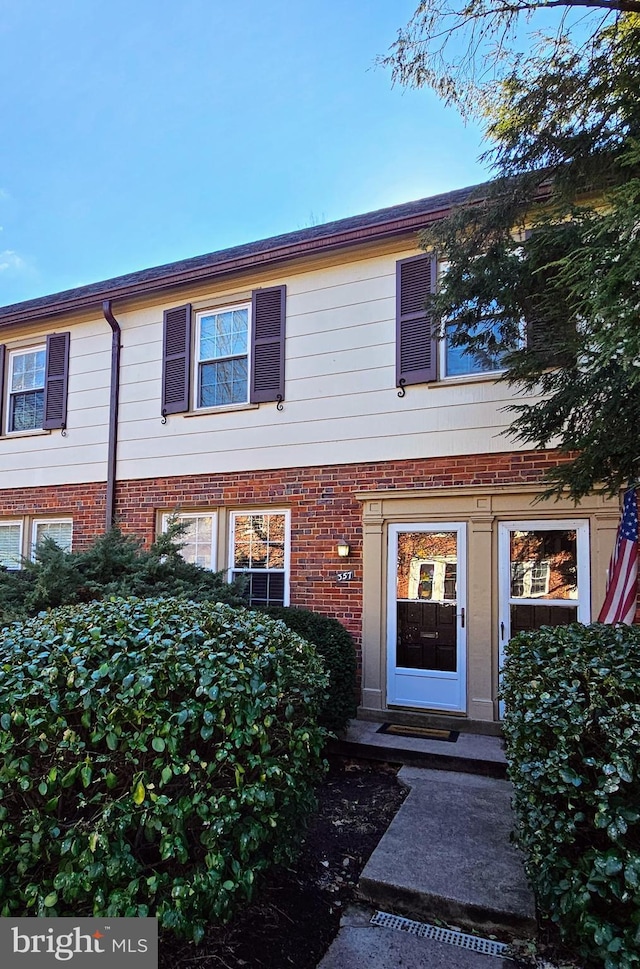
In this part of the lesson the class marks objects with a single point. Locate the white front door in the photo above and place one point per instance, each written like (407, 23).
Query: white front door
(426, 601)
(544, 575)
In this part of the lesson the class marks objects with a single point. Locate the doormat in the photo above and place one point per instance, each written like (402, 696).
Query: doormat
(420, 733)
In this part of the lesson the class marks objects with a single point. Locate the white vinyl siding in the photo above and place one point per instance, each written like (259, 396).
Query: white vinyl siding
(341, 403)
(42, 458)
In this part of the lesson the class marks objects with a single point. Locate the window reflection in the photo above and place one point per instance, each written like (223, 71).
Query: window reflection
(543, 564)
(259, 554)
(427, 566)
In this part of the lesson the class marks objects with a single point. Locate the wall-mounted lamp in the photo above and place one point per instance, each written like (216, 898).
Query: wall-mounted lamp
(343, 548)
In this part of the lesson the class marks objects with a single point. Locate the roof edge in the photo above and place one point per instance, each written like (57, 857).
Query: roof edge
(395, 220)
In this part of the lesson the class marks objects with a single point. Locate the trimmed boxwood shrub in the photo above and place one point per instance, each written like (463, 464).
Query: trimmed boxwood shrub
(572, 731)
(335, 644)
(155, 756)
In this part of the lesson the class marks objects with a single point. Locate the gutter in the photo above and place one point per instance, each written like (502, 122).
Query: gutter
(112, 444)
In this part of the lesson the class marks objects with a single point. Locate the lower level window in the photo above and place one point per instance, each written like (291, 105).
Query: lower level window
(198, 538)
(11, 544)
(60, 530)
(260, 551)
(19, 538)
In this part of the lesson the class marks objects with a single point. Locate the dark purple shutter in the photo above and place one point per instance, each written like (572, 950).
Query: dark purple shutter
(416, 345)
(2, 359)
(176, 359)
(55, 381)
(267, 344)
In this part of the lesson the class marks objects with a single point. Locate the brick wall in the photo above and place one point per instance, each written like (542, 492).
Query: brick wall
(321, 500)
(85, 503)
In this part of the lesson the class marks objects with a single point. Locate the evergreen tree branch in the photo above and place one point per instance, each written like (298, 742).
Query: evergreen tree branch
(544, 265)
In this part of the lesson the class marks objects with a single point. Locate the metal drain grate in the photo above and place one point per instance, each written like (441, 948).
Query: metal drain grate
(426, 931)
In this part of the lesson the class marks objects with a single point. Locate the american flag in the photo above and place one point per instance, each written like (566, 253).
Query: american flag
(622, 586)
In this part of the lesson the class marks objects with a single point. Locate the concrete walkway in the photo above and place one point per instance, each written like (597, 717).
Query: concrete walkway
(446, 857)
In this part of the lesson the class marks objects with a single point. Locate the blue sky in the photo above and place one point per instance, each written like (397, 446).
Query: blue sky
(137, 132)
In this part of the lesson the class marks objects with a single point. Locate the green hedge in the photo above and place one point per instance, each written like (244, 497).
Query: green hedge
(155, 756)
(335, 645)
(572, 731)
(117, 565)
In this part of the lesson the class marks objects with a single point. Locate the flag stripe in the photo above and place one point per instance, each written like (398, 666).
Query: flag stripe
(622, 586)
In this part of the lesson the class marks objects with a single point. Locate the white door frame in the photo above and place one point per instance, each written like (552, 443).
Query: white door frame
(428, 689)
(583, 602)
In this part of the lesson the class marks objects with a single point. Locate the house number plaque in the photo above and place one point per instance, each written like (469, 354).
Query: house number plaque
(346, 576)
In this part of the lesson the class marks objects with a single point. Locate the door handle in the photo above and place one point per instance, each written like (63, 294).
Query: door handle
(462, 618)
(502, 631)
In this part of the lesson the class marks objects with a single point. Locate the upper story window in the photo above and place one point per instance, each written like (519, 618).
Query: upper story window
(33, 385)
(420, 356)
(26, 389)
(198, 538)
(260, 551)
(236, 355)
(222, 339)
(462, 362)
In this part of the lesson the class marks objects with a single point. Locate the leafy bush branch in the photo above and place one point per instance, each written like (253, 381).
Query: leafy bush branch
(155, 756)
(572, 730)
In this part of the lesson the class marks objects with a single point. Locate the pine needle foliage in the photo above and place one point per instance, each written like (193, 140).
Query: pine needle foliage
(544, 261)
(115, 564)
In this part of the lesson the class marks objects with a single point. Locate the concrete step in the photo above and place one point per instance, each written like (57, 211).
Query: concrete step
(447, 855)
(470, 753)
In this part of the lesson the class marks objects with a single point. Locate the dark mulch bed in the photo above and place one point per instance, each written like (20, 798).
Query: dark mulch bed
(296, 912)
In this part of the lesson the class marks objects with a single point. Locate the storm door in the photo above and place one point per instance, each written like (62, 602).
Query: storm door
(426, 656)
(544, 576)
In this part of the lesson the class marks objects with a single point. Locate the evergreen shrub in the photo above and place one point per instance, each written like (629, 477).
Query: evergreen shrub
(572, 730)
(114, 564)
(155, 756)
(335, 645)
